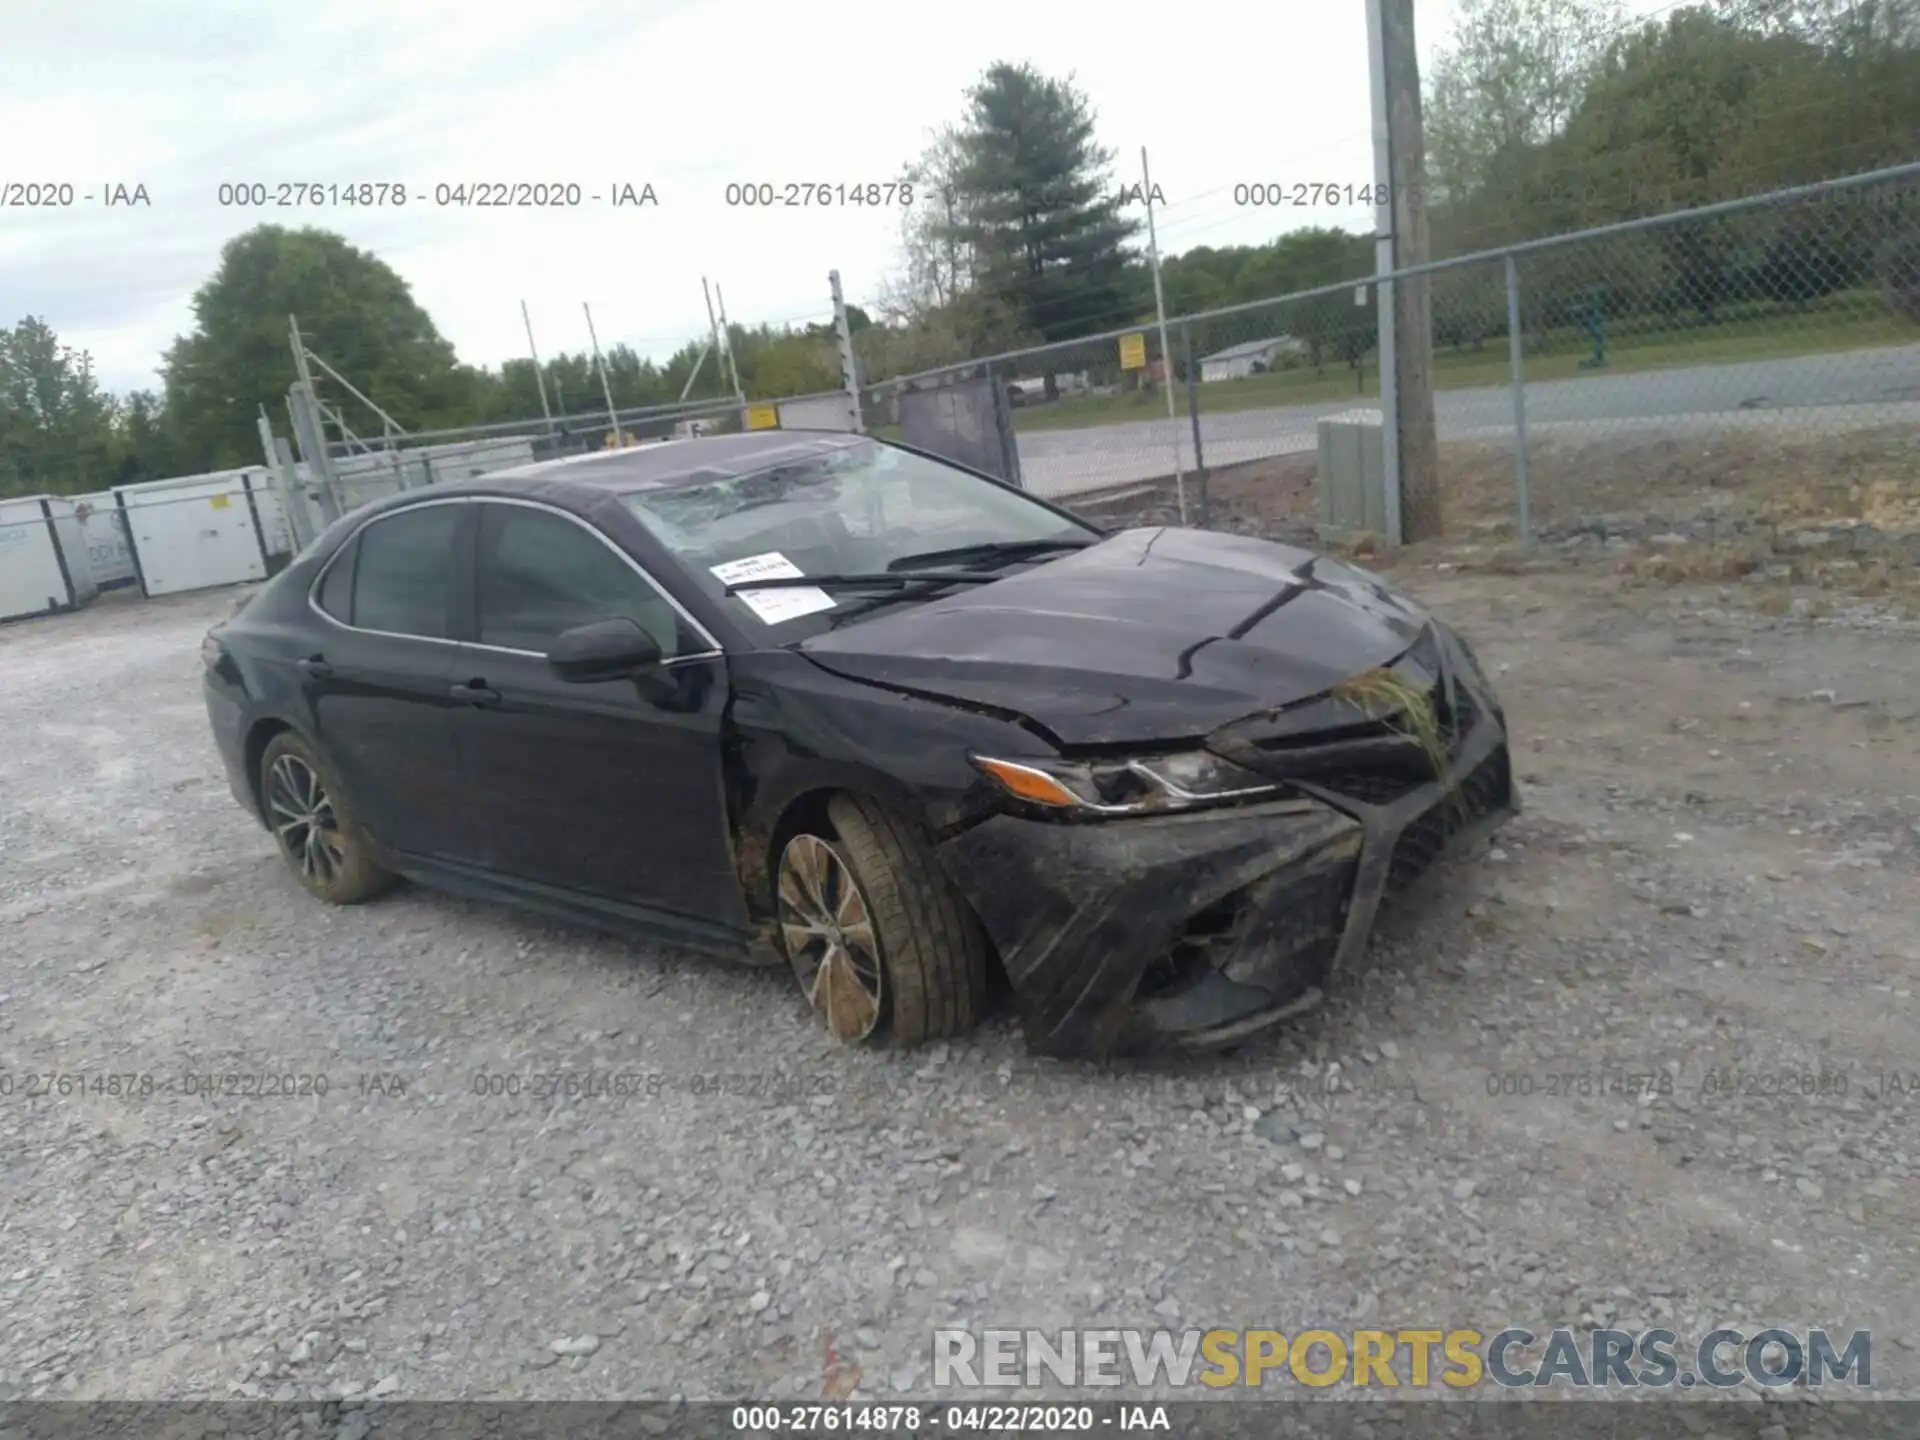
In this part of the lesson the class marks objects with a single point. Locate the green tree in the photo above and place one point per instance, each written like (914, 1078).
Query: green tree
(1506, 84)
(143, 445)
(354, 310)
(1553, 115)
(56, 425)
(938, 264)
(1040, 212)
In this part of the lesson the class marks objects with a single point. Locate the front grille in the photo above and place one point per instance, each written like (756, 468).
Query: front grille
(1420, 844)
(1371, 787)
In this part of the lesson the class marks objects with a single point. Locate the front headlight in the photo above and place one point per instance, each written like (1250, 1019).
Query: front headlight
(1186, 780)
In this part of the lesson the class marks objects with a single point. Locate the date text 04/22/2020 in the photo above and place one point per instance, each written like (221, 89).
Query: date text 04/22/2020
(148, 1084)
(563, 1084)
(443, 195)
(809, 1418)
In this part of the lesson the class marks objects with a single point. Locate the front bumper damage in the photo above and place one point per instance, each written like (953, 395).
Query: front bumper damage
(1195, 930)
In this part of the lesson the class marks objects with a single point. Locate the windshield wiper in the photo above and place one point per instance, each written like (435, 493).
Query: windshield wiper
(883, 580)
(989, 550)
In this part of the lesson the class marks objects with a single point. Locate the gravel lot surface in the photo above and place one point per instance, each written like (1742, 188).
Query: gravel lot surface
(1714, 882)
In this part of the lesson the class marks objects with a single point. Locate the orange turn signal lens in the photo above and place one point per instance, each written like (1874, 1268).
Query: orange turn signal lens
(1023, 782)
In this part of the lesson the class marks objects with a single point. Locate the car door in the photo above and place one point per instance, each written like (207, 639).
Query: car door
(378, 684)
(613, 788)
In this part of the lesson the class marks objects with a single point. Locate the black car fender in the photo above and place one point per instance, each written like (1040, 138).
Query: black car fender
(782, 784)
(811, 733)
(257, 732)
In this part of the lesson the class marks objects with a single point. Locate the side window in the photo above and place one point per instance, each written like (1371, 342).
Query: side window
(336, 591)
(403, 573)
(540, 574)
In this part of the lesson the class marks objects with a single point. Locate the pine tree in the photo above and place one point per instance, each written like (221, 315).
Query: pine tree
(1042, 211)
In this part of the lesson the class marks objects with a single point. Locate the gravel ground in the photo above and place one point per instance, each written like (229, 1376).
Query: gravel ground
(1716, 868)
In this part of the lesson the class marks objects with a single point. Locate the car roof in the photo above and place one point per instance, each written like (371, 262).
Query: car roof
(666, 464)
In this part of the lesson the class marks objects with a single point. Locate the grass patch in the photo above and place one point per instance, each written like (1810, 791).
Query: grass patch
(1769, 335)
(1383, 695)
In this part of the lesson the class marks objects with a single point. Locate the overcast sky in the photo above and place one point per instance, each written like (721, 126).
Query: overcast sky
(686, 95)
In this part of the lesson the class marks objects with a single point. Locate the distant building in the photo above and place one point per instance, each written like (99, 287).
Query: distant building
(1255, 357)
(1032, 390)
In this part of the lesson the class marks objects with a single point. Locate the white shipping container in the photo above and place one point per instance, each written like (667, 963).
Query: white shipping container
(274, 533)
(196, 532)
(105, 529)
(43, 557)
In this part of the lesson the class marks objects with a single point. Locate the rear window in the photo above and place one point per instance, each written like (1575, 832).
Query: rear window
(403, 573)
(336, 591)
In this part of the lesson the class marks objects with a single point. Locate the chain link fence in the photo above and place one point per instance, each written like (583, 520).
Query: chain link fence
(1745, 373)
(1749, 364)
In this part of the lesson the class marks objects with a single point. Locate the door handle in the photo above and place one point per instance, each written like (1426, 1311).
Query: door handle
(476, 693)
(313, 667)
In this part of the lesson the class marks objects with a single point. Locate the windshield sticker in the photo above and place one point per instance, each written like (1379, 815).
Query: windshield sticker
(773, 606)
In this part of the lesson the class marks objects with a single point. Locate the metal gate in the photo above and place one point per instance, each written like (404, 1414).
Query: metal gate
(968, 421)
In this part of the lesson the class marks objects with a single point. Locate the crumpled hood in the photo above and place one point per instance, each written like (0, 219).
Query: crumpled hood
(1151, 635)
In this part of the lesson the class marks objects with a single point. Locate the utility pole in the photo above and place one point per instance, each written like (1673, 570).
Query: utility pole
(849, 371)
(538, 378)
(733, 369)
(721, 354)
(1406, 318)
(606, 385)
(1166, 350)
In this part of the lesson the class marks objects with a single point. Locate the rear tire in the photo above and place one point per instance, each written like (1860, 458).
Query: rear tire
(885, 949)
(325, 848)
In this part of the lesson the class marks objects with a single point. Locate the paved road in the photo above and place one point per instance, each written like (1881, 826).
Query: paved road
(1869, 386)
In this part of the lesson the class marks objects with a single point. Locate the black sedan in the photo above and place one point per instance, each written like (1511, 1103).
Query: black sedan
(819, 700)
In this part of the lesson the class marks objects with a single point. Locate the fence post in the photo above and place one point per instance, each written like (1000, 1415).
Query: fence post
(1516, 361)
(849, 364)
(1003, 422)
(1193, 415)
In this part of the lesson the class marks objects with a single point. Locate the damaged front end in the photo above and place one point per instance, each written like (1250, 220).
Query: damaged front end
(1150, 925)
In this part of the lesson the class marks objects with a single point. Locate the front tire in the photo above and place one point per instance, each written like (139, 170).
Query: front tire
(885, 950)
(328, 853)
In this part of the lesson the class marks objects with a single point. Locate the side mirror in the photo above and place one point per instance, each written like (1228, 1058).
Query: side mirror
(604, 650)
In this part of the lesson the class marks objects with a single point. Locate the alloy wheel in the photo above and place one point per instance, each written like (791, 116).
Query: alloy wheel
(303, 820)
(829, 938)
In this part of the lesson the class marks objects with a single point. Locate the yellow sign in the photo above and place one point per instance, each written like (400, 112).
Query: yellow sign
(763, 417)
(221, 502)
(1133, 351)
